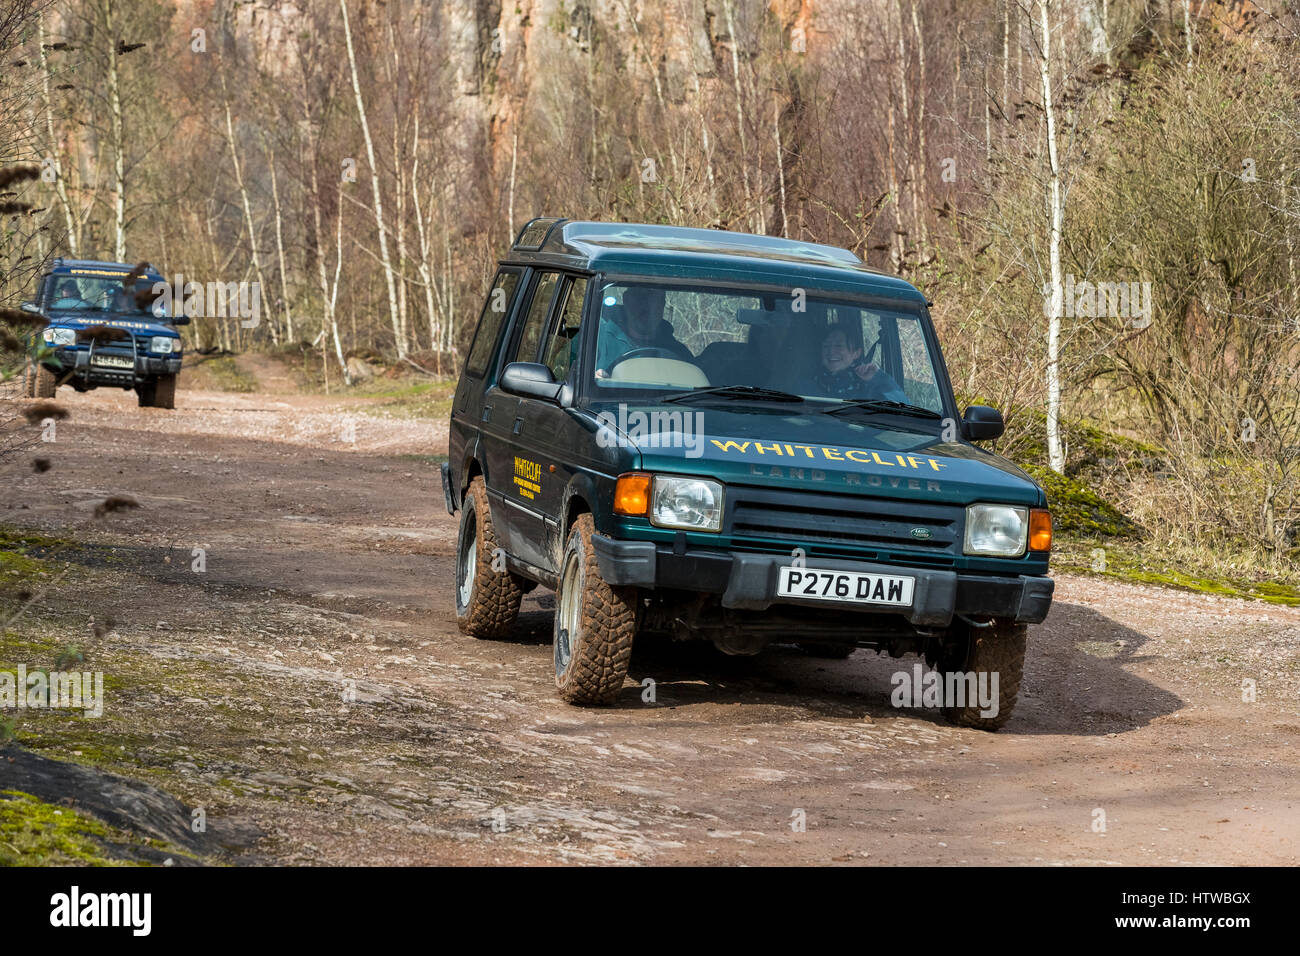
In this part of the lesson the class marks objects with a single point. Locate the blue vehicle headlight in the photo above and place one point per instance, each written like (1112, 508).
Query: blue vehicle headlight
(60, 336)
(164, 344)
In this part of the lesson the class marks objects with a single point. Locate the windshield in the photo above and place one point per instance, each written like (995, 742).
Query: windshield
(94, 294)
(677, 338)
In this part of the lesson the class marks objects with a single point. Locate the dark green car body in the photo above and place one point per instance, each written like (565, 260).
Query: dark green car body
(874, 493)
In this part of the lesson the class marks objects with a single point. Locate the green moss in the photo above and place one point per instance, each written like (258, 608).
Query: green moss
(1078, 510)
(15, 565)
(15, 650)
(13, 539)
(36, 833)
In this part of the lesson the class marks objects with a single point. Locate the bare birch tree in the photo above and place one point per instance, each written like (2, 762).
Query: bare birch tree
(385, 260)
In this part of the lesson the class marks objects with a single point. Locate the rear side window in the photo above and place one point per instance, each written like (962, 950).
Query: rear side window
(495, 309)
(531, 338)
(562, 345)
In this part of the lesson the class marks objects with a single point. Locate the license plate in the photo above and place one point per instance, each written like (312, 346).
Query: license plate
(853, 587)
(114, 361)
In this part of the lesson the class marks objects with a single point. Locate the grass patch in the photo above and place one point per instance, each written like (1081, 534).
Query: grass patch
(419, 400)
(1127, 561)
(36, 833)
(220, 372)
(434, 460)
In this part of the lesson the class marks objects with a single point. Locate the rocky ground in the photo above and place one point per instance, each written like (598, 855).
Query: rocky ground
(276, 628)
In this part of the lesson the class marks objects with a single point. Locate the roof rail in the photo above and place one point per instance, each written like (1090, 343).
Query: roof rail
(533, 236)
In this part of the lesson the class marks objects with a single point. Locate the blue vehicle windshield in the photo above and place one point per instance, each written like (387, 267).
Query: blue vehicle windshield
(76, 293)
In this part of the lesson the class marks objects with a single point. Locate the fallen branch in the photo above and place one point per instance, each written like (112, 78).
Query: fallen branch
(420, 368)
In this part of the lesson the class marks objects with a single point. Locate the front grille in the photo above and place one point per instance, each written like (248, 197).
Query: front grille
(817, 518)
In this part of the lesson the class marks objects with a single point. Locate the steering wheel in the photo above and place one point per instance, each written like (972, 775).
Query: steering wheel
(652, 351)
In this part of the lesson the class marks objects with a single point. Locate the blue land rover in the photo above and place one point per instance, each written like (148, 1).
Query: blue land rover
(103, 330)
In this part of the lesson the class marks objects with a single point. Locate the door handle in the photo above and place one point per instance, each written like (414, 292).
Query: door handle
(487, 413)
(519, 426)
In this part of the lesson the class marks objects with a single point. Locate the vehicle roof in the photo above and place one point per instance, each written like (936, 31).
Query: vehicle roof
(682, 252)
(71, 266)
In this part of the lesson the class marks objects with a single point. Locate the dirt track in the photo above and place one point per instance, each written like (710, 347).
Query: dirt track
(329, 570)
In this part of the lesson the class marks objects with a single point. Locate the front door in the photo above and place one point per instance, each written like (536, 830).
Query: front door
(515, 474)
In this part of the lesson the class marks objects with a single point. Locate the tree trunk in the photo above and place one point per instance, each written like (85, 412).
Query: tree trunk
(117, 139)
(248, 220)
(1056, 212)
(279, 248)
(919, 191)
(329, 297)
(60, 187)
(384, 258)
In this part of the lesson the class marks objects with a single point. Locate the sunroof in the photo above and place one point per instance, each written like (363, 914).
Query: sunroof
(534, 233)
(710, 240)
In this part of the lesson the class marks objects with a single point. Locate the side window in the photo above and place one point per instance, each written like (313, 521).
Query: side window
(530, 339)
(562, 346)
(494, 312)
(919, 380)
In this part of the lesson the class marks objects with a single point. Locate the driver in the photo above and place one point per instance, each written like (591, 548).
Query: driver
(68, 292)
(643, 327)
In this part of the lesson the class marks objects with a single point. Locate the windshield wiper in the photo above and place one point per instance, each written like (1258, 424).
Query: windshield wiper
(755, 392)
(882, 405)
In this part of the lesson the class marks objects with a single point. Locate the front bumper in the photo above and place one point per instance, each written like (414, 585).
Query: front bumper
(143, 367)
(747, 581)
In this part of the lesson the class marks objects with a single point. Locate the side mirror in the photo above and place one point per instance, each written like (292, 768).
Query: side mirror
(30, 307)
(981, 423)
(181, 319)
(530, 380)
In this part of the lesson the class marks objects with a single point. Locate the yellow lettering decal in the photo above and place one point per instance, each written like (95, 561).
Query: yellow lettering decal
(528, 475)
(912, 461)
(758, 447)
(832, 454)
(741, 447)
(880, 461)
(853, 451)
(807, 450)
(934, 464)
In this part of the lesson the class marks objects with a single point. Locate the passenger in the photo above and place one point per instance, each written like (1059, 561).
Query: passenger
(843, 374)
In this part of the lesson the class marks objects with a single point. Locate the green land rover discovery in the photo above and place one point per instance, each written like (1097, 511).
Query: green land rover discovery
(735, 438)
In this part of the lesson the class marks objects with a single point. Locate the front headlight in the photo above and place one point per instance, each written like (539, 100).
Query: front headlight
(693, 504)
(998, 530)
(163, 343)
(60, 336)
